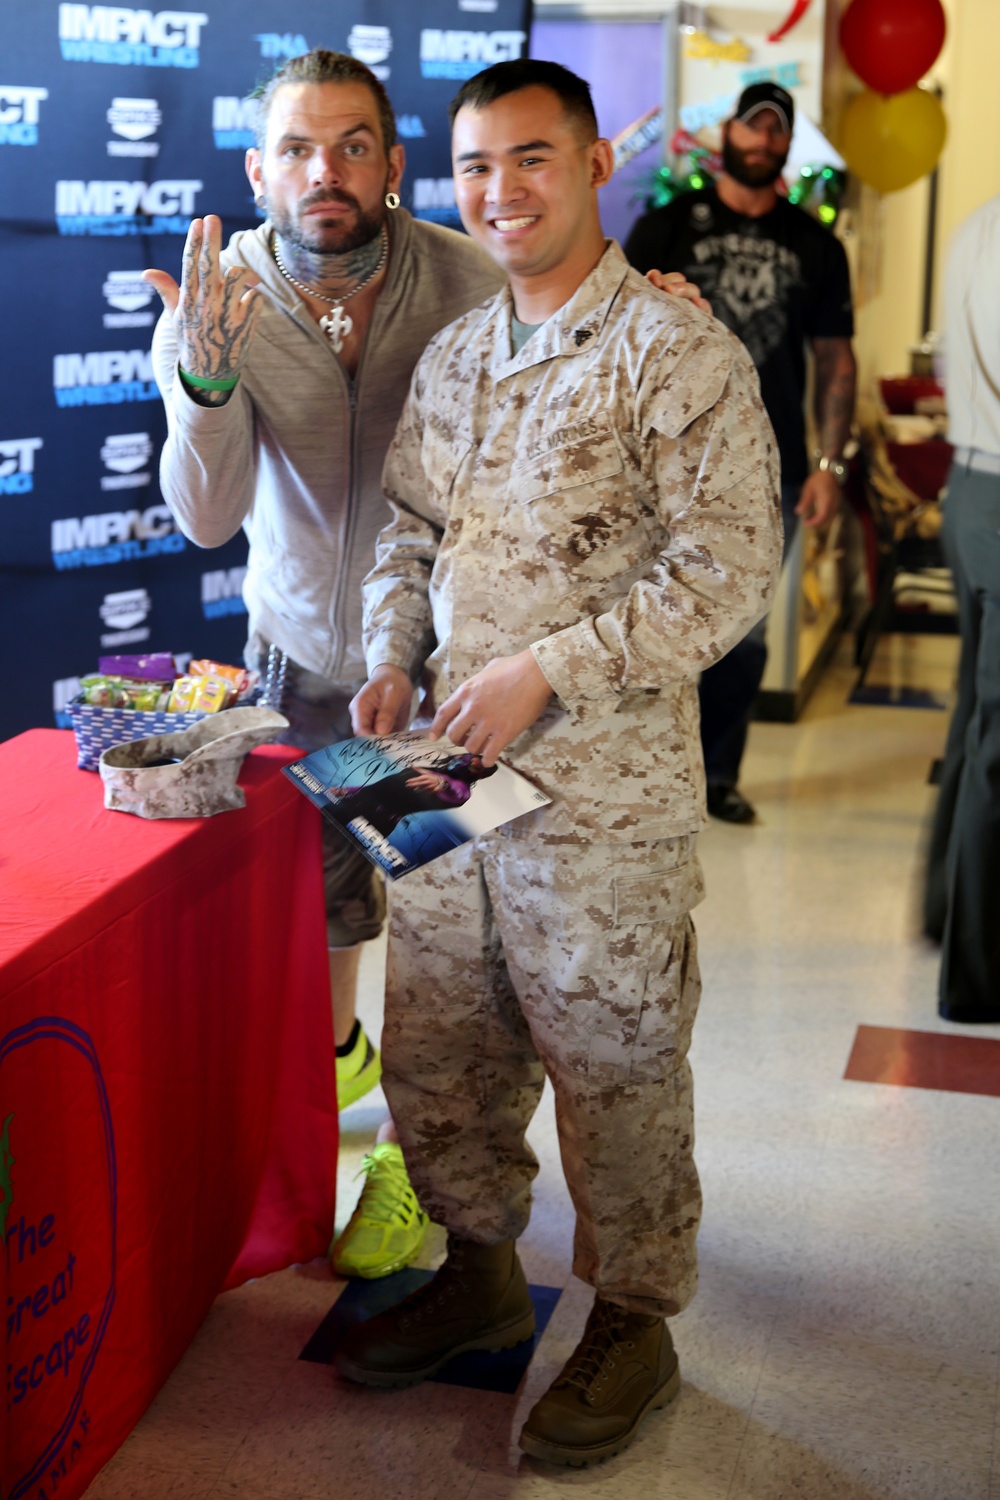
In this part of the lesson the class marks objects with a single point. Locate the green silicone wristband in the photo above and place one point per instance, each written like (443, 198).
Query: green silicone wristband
(201, 384)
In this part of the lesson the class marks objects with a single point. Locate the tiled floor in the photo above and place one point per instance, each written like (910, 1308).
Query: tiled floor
(845, 1341)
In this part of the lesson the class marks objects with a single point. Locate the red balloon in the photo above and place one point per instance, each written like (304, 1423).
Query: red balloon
(890, 44)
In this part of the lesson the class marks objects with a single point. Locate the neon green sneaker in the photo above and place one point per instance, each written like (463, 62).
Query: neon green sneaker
(386, 1230)
(358, 1072)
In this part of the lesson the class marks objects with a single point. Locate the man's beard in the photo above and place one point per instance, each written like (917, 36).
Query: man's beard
(751, 174)
(337, 238)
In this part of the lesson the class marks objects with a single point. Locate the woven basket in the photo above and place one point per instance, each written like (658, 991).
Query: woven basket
(97, 729)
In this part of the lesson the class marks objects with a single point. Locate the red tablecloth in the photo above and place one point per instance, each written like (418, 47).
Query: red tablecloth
(167, 1088)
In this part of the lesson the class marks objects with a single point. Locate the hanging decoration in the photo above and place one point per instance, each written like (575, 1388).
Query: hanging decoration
(635, 138)
(787, 74)
(793, 18)
(818, 190)
(891, 143)
(698, 44)
(891, 44)
(708, 112)
(658, 188)
(683, 143)
(892, 133)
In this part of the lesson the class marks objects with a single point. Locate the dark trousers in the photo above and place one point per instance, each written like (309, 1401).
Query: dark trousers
(962, 899)
(727, 692)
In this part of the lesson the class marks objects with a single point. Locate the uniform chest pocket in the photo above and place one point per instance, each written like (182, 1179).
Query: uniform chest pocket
(578, 504)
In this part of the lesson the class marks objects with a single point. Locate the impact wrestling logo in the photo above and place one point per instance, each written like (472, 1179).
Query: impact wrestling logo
(140, 38)
(459, 55)
(105, 377)
(222, 593)
(126, 207)
(117, 536)
(17, 465)
(19, 109)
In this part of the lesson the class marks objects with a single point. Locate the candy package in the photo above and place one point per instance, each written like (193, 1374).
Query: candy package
(206, 694)
(241, 679)
(103, 691)
(155, 666)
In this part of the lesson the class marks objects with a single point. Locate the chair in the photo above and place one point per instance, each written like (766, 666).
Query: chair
(901, 483)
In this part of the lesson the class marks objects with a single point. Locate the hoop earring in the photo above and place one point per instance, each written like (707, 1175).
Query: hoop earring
(392, 200)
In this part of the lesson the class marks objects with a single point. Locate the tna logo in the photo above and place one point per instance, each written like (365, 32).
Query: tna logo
(222, 593)
(462, 54)
(17, 465)
(115, 537)
(233, 122)
(19, 114)
(434, 199)
(274, 45)
(125, 207)
(104, 378)
(112, 34)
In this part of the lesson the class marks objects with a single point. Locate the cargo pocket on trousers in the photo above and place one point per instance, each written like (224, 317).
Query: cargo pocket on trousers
(652, 924)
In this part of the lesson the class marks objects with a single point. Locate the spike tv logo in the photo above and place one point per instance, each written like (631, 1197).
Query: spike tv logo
(58, 1211)
(134, 120)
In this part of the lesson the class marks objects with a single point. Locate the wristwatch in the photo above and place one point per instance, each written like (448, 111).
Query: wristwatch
(834, 466)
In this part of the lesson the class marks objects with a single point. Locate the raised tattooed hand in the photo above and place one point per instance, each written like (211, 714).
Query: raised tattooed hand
(214, 312)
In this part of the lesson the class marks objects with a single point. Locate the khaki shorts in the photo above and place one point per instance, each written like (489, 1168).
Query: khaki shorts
(318, 712)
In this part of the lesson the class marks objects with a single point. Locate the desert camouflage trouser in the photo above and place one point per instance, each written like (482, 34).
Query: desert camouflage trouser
(510, 959)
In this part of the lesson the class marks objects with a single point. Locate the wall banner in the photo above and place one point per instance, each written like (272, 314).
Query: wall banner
(117, 126)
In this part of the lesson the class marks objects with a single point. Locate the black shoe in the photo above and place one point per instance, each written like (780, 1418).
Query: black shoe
(478, 1300)
(731, 806)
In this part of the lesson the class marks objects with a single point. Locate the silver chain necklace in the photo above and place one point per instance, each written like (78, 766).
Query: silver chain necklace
(337, 324)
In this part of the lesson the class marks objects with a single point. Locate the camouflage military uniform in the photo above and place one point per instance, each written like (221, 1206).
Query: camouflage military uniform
(608, 497)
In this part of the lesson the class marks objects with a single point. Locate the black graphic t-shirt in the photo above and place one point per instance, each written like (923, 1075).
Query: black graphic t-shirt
(775, 281)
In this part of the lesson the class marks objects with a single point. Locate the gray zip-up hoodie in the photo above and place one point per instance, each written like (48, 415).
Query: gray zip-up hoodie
(295, 456)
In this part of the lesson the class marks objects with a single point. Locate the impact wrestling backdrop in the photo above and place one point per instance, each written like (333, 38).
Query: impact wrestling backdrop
(117, 126)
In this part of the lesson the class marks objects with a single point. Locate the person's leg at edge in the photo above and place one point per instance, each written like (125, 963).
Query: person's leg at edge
(969, 620)
(614, 1030)
(463, 1081)
(344, 965)
(611, 996)
(387, 1228)
(970, 957)
(727, 693)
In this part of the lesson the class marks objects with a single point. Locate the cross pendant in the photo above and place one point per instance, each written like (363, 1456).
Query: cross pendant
(337, 326)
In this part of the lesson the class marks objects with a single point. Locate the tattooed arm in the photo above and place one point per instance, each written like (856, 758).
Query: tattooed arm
(835, 375)
(207, 471)
(214, 313)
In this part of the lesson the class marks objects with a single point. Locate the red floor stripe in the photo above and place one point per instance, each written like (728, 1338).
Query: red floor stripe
(925, 1060)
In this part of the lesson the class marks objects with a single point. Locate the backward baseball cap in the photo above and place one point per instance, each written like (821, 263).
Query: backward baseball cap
(766, 96)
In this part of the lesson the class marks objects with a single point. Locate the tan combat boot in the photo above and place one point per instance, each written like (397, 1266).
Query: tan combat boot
(622, 1368)
(479, 1299)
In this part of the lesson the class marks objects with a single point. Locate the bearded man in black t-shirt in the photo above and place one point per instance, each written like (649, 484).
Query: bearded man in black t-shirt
(780, 281)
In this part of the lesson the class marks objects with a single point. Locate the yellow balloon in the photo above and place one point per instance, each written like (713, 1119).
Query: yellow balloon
(891, 142)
